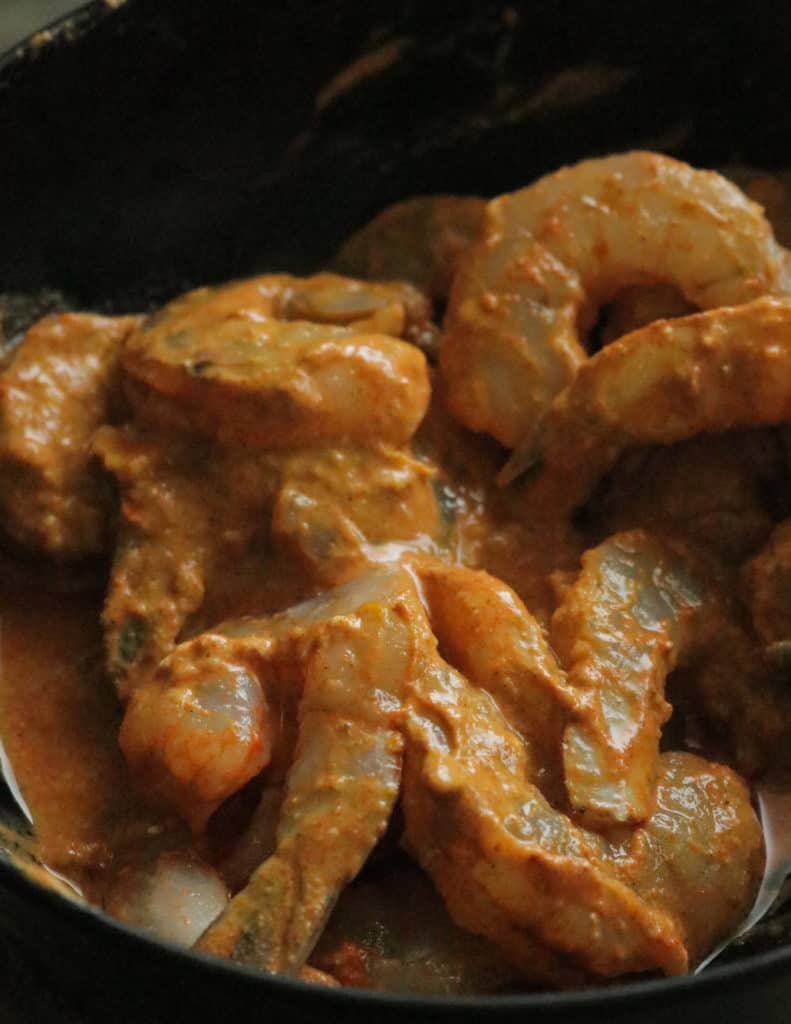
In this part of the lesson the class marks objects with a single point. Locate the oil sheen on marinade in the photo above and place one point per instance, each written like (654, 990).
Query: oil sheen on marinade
(336, 642)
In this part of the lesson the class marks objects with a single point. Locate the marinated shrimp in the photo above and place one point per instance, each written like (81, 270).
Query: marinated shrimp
(487, 634)
(708, 373)
(327, 511)
(509, 866)
(639, 608)
(700, 856)
(344, 779)
(160, 571)
(254, 930)
(222, 706)
(238, 373)
(553, 253)
(53, 499)
(620, 629)
(382, 720)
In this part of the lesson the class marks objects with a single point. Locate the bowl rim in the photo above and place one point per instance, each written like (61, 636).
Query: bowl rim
(630, 993)
(65, 29)
(82, 18)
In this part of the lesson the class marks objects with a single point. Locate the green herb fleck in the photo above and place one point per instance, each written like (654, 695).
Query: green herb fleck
(131, 638)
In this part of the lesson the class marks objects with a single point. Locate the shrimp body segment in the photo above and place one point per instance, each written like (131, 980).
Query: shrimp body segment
(488, 635)
(327, 510)
(200, 728)
(507, 864)
(621, 627)
(220, 707)
(708, 373)
(343, 782)
(701, 854)
(554, 252)
(240, 373)
(62, 384)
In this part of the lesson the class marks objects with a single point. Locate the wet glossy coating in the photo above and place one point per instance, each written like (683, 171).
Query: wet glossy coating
(63, 382)
(673, 380)
(554, 252)
(262, 363)
(367, 716)
(620, 629)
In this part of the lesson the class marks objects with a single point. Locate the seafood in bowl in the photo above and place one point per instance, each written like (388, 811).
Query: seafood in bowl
(391, 611)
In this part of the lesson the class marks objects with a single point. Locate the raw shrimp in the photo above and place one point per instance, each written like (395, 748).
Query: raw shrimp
(485, 632)
(61, 385)
(160, 568)
(508, 865)
(335, 505)
(700, 856)
(231, 370)
(344, 779)
(327, 509)
(709, 373)
(639, 609)
(554, 252)
(621, 628)
(417, 240)
(201, 727)
(222, 706)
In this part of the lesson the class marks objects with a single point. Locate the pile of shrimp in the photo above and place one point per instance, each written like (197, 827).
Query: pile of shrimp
(399, 611)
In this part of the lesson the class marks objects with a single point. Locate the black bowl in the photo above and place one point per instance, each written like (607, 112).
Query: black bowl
(156, 144)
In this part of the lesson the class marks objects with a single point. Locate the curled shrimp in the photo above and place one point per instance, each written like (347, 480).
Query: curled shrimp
(325, 698)
(552, 253)
(417, 240)
(708, 373)
(508, 865)
(221, 706)
(564, 904)
(701, 854)
(234, 364)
